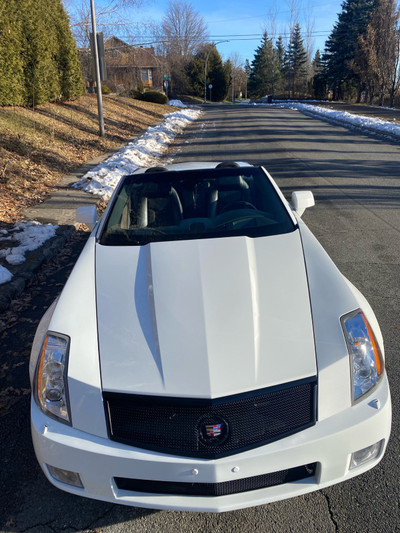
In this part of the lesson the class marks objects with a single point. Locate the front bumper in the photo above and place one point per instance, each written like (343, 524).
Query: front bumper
(329, 443)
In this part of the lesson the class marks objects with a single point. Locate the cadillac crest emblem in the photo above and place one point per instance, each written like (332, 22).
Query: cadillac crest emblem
(213, 430)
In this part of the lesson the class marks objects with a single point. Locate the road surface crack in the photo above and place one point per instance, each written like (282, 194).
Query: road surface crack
(331, 514)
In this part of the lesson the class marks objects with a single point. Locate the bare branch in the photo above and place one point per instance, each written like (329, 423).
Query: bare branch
(184, 29)
(109, 16)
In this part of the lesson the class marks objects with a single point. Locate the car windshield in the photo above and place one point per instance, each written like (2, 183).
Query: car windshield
(196, 204)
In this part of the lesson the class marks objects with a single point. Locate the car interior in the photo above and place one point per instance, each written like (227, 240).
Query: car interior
(206, 203)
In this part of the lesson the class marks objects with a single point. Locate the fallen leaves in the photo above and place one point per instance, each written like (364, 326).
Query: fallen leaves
(37, 147)
(9, 396)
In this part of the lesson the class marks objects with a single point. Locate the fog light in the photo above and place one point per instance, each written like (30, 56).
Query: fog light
(65, 476)
(365, 455)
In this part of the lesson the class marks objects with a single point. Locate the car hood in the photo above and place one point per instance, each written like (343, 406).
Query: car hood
(204, 318)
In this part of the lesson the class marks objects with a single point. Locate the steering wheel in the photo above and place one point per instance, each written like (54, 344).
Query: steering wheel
(241, 204)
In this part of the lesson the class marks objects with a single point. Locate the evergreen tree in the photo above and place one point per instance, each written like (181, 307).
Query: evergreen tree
(39, 47)
(180, 82)
(280, 54)
(295, 63)
(247, 68)
(341, 47)
(195, 73)
(264, 69)
(317, 63)
(229, 76)
(217, 76)
(216, 73)
(247, 71)
(38, 56)
(70, 72)
(319, 81)
(11, 65)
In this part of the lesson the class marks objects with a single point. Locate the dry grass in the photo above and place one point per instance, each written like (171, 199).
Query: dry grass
(38, 146)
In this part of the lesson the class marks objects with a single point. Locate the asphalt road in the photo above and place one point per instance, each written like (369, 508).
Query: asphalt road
(355, 180)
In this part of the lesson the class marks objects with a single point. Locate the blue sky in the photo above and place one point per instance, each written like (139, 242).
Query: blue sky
(243, 22)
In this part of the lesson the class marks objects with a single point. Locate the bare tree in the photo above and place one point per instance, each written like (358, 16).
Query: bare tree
(181, 34)
(238, 81)
(183, 29)
(378, 56)
(362, 67)
(309, 42)
(270, 24)
(110, 16)
(394, 86)
(294, 9)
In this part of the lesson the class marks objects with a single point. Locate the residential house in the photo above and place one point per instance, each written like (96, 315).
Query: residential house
(130, 68)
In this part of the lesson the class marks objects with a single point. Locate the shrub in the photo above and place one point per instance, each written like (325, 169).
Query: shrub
(135, 93)
(153, 96)
(105, 89)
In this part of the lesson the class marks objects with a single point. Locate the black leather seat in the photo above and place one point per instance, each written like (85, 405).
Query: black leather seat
(156, 205)
(228, 191)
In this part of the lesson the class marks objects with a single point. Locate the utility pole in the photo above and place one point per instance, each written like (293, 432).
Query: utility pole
(97, 70)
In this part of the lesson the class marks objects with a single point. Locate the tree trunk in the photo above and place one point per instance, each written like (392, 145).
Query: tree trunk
(382, 93)
(359, 92)
(391, 95)
(371, 96)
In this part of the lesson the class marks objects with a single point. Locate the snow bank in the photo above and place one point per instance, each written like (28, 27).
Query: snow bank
(369, 123)
(375, 125)
(143, 152)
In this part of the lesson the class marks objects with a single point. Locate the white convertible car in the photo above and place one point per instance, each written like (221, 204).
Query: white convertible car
(205, 353)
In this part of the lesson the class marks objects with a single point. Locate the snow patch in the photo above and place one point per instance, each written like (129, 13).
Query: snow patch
(177, 103)
(143, 152)
(5, 275)
(29, 236)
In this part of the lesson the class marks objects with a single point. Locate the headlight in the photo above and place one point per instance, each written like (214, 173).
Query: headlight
(365, 356)
(51, 377)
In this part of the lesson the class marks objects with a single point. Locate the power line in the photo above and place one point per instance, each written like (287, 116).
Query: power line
(231, 37)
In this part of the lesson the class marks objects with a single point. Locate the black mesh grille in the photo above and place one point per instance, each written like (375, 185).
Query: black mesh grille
(217, 489)
(211, 428)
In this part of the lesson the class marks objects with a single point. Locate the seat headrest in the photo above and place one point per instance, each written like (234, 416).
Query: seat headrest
(232, 183)
(153, 189)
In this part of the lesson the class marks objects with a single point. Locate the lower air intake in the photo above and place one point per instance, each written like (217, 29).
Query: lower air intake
(217, 489)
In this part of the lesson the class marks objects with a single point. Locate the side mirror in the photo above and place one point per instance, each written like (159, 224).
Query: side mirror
(301, 200)
(87, 214)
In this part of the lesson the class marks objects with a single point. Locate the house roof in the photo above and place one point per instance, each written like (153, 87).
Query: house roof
(121, 53)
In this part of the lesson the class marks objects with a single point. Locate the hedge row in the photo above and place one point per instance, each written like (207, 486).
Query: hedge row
(38, 56)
